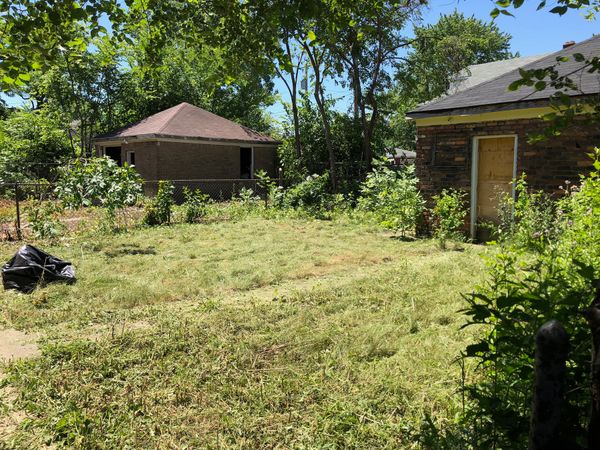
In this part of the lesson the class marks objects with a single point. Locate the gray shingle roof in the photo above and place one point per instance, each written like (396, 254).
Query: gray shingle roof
(480, 73)
(188, 122)
(495, 91)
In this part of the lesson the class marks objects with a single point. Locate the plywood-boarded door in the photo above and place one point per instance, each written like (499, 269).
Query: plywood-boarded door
(495, 171)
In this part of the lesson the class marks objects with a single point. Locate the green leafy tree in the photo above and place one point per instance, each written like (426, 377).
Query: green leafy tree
(439, 55)
(442, 51)
(32, 145)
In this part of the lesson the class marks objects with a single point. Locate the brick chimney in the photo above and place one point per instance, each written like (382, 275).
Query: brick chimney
(569, 44)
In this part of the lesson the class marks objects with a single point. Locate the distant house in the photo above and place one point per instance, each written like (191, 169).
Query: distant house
(476, 138)
(188, 143)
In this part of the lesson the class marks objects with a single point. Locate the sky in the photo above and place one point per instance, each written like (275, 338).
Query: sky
(533, 33)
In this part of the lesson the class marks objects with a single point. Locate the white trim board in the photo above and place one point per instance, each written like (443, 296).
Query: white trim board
(475, 174)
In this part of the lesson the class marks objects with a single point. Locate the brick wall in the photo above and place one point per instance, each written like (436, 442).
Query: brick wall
(188, 161)
(444, 153)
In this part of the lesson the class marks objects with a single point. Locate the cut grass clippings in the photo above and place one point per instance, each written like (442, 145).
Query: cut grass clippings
(257, 334)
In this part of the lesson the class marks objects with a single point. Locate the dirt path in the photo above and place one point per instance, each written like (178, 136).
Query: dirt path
(14, 345)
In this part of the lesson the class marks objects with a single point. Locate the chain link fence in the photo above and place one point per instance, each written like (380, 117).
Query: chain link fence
(15, 198)
(218, 189)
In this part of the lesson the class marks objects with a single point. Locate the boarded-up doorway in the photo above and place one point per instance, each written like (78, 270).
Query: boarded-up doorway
(494, 161)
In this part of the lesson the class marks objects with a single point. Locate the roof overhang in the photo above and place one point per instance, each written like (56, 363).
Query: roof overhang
(474, 110)
(112, 140)
(494, 116)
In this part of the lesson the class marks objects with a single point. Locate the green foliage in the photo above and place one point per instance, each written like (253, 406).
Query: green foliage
(591, 7)
(43, 219)
(346, 138)
(159, 208)
(443, 50)
(392, 196)
(311, 195)
(99, 180)
(523, 291)
(449, 214)
(195, 205)
(32, 145)
(530, 221)
(438, 58)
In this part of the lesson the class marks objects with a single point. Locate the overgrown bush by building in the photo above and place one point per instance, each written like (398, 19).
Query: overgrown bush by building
(392, 197)
(529, 220)
(159, 209)
(195, 205)
(449, 214)
(99, 181)
(311, 195)
(524, 290)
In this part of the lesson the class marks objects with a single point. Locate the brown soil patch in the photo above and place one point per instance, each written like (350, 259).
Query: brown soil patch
(15, 344)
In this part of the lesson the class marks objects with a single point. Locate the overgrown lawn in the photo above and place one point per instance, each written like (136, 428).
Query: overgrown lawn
(249, 334)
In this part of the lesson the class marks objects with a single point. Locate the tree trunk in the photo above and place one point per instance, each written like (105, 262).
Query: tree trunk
(320, 99)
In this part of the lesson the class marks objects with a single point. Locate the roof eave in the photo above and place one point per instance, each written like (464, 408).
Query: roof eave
(416, 114)
(154, 136)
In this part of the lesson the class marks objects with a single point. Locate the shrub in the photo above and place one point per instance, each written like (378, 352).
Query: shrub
(530, 220)
(195, 205)
(159, 208)
(524, 290)
(43, 218)
(99, 181)
(449, 214)
(393, 197)
(310, 195)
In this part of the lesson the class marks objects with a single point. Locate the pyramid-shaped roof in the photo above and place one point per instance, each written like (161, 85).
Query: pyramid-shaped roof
(187, 121)
(495, 91)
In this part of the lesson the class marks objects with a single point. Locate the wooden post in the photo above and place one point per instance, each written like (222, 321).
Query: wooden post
(552, 349)
(18, 207)
(592, 314)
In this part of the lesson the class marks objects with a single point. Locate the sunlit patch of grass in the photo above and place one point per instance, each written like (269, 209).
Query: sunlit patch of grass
(280, 333)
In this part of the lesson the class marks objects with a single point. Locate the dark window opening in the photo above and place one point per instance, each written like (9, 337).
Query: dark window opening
(245, 163)
(114, 153)
(131, 158)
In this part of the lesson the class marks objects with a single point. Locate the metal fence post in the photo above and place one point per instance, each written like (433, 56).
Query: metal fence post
(18, 208)
(552, 349)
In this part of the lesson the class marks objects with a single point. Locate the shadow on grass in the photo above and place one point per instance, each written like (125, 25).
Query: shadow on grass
(130, 250)
(404, 238)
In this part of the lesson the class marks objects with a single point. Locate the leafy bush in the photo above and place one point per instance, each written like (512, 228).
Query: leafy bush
(449, 214)
(310, 195)
(530, 220)
(392, 196)
(159, 208)
(43, 218)
(525, 290)
(195, 205)
(99, 180)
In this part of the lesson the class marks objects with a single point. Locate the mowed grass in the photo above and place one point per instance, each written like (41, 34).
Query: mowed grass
(250, 334)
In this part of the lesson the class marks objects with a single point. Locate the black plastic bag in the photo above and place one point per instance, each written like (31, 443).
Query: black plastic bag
(31, 267)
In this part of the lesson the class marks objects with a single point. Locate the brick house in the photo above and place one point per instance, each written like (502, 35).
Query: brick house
(476, 137)
(188, 143)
